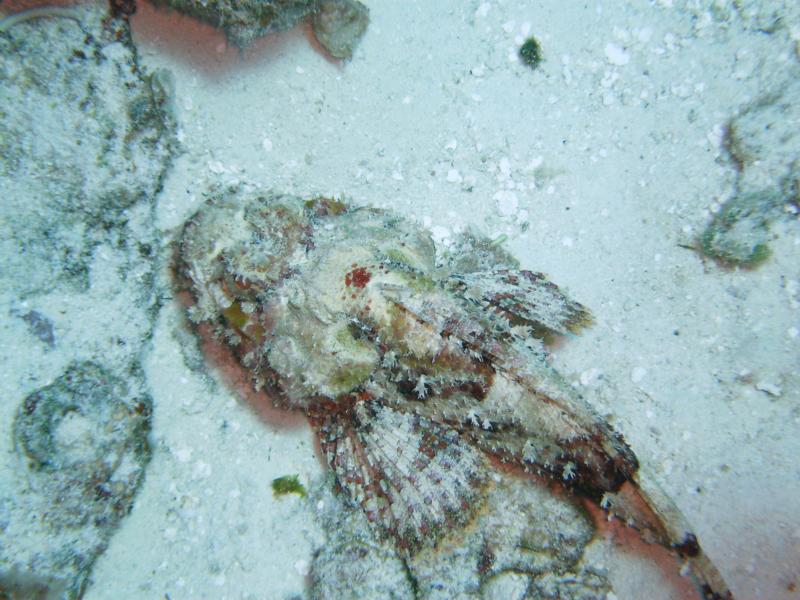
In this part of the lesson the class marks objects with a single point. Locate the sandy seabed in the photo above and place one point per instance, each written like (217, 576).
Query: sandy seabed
(600, 168)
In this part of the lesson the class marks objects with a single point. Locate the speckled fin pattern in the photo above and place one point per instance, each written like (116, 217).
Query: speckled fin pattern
(413, 478)
(523, 298)
(526, 415)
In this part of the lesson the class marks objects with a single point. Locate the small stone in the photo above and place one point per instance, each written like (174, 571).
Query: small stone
(339, 25)
(616, 55)
(638, 374)
(770, 388)
(483, 9)
(590, 377)
(507, 202)
(302, 567)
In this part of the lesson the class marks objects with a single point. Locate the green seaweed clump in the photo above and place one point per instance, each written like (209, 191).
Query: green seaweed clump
(531, 53)
(288, 484)
(739, 233)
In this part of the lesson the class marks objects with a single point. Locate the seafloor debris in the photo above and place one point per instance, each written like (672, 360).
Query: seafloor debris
(763, 141)
(531, 53)
(39, 326)
(414, 376)
(83, 449)
(337, 24)
(288, 484)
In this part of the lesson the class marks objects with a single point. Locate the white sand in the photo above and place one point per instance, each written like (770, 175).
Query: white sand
(596, 167)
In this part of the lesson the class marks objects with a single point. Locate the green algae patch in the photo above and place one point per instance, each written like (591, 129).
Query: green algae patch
(530, 53)
(288, 484)
(739, 233)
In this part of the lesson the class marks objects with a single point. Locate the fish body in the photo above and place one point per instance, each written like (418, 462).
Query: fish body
(418, 371)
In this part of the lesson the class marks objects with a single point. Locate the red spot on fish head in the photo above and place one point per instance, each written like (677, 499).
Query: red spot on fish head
(358, 277)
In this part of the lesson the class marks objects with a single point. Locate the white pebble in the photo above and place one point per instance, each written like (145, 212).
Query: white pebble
(507, 202)
(638, 374)
(440, 234)
(453, 176)
(769, 388)
(216, 167)
(202, 470)
(616, 55)
(567, 242)
(183, 454)
(266, 144)
(302, 567)
(483, 10)
(590, 377)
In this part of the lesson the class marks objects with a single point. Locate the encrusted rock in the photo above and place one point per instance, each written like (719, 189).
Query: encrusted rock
(338, 24)
(83, 448)
(526, 543)
(763, 140)
(85, 135)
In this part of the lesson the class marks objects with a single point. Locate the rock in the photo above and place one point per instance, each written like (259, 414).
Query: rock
(763, 140)
(338, 24)
(765, 147)
(352, 563)
(526, 543)
(83, 448)
(84, 136)
(739, 232)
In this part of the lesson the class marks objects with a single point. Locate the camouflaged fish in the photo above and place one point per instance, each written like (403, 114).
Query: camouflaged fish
(417, 372)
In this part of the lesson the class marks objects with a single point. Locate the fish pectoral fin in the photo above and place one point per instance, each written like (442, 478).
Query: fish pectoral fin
(523, 298)
(413, 478)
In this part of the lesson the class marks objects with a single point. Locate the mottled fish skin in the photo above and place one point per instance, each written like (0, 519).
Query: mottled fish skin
(413, 376)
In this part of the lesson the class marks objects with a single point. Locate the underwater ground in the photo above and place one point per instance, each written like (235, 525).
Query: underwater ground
(649, 163)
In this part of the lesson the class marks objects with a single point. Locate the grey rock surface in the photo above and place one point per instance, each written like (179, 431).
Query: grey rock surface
(339, 24)
(525, 543)
(82, 451)
(86, 137)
